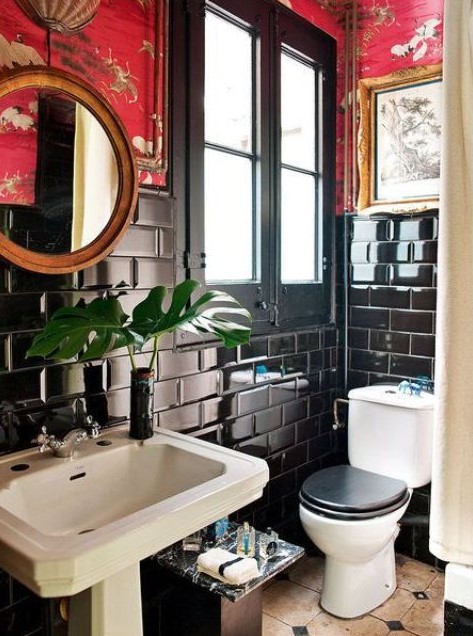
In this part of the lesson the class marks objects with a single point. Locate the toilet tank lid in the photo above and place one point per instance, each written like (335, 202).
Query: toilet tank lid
(389, 394)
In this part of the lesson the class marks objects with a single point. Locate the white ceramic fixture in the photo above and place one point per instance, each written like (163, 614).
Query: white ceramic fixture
(81, 526)
(351, 512)
(391, 433)
(459, 585)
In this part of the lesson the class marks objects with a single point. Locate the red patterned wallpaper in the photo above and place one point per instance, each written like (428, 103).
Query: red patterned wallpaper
(392, 34)
(315, 13)
(115, 53)
(18, 147)
(397, 34)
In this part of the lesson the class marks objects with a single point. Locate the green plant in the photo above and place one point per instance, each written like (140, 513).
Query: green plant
(92, 330)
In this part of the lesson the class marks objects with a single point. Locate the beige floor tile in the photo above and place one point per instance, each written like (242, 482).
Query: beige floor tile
(425, 618)
(291, 603)
(273, 627)
(413, 575)
(327, 625)
(296, 602)
(309, 572)
(435, 591)
(396, 606)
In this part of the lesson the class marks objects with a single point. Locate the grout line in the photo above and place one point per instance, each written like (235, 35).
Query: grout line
(306, 587)
(281, 621)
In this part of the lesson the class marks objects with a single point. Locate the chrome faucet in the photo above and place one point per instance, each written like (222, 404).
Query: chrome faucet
(66, 446)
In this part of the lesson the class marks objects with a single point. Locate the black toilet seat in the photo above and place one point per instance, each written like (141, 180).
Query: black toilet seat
(349, 493)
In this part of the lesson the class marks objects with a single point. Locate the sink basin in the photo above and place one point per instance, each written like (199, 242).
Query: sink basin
(78, 497)
(67, 525)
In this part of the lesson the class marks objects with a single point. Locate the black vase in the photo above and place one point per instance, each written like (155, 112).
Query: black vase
(141, 403)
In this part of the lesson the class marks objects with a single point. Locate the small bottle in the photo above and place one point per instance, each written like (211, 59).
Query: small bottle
(216, 531)
(193, 542)
(221, 528)
(246, 540)
(268, 543)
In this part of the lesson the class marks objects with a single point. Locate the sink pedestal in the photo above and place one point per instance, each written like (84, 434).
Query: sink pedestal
(109, 608)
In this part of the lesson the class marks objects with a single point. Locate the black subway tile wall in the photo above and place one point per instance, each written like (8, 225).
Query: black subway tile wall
(391, 316)
(271, 398)
(101, 275)
(391, 323)
(282, 344)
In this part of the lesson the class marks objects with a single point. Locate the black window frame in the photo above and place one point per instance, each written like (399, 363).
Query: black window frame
(275, 306)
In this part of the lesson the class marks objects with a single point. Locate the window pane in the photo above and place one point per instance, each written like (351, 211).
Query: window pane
(228, 217)
(297, 113)
(298, 248)
(228, 77)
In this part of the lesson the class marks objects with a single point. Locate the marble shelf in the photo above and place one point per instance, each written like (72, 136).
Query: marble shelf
(184, 564)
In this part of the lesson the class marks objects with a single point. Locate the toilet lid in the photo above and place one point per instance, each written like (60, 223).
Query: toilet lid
(346, 491)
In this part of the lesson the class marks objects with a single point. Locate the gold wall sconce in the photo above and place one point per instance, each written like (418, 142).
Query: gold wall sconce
(57, 15)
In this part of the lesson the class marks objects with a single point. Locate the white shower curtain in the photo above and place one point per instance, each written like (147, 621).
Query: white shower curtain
(451, 522)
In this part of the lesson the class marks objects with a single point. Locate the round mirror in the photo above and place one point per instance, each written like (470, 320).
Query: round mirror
(68, 176)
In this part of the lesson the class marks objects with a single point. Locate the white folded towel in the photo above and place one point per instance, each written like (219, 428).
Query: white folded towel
(227, 566)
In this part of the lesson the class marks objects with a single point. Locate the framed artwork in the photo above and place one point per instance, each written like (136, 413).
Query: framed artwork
(399, 140)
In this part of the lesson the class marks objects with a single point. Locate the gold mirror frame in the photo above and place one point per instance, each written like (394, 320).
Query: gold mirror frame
(39, 77)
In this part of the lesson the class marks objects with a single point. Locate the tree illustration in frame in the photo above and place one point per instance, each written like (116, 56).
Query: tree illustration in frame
(399, 140)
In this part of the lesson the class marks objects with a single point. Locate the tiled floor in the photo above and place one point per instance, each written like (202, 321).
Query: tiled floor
(291, 606)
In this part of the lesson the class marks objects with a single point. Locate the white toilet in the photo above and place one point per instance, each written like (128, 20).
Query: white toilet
(351, 512)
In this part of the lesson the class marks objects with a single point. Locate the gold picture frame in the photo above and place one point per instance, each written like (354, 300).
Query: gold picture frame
(399, 141)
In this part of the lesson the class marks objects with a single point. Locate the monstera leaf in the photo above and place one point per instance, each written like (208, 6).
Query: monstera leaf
(91, 331)
(203, 316)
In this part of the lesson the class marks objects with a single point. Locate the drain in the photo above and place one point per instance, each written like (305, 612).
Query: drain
(104, 442)
(78, 476)
(19, 467)
(86, 531)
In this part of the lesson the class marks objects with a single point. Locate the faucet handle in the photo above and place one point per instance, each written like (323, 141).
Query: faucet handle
(92, 427)
(43, 439)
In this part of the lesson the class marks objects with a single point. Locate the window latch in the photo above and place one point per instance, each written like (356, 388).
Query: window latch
(273, 310)
(194, 260)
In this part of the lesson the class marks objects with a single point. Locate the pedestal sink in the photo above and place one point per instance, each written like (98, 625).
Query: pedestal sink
(80, 527)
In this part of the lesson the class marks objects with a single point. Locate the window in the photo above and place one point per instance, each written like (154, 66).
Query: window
(298, 171)
(259, 178)
(230, 155)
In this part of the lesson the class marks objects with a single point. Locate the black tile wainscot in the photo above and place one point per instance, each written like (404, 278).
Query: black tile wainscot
(391, 323)
(391, 298)
(458, 620)
(272, 398)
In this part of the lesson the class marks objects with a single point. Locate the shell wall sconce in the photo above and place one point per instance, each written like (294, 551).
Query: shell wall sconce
(57, 15)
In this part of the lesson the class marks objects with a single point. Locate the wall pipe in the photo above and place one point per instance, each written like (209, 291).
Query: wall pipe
(354, 109)
(346, 118)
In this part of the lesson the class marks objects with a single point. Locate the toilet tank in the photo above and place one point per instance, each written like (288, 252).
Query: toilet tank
(390, 433)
